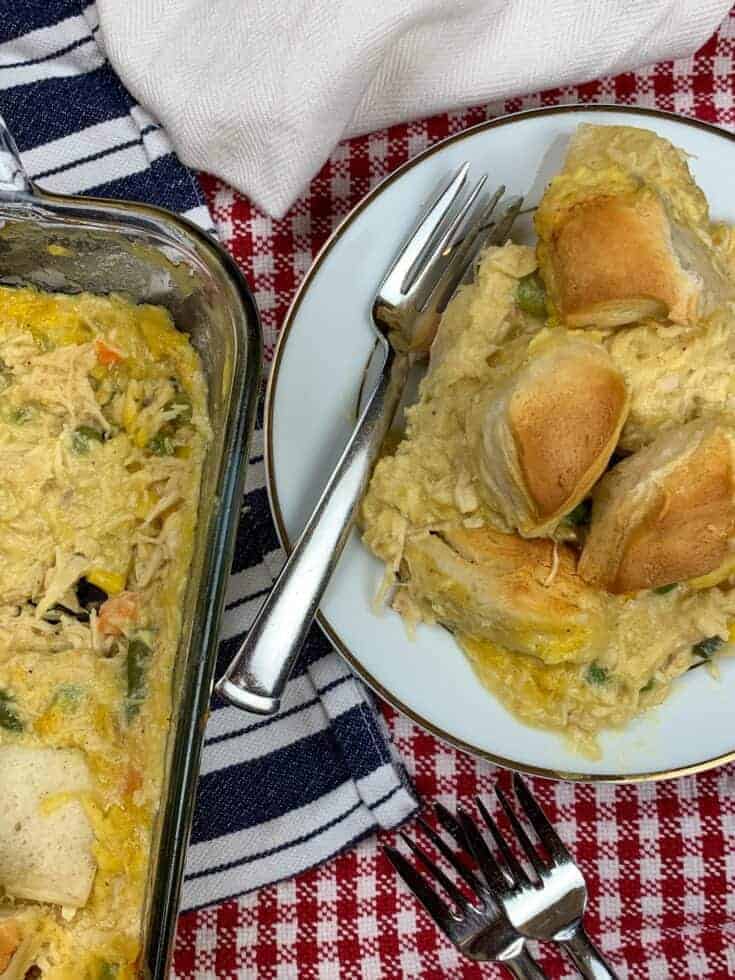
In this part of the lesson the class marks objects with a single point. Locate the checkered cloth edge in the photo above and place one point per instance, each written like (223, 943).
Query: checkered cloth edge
(276, 795)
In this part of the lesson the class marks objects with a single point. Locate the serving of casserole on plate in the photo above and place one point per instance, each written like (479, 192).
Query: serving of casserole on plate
(564, 496)
(561, 497)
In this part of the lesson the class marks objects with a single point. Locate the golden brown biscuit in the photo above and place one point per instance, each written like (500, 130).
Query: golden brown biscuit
(624, 234)
(546, 434)
(612, 262)
(524, 595)
(665, 514)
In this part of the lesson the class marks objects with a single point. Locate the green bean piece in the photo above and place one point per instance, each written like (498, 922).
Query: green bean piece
(9, 718)
(596, 674)
(706, 647)
(136, 666)
(103, 970)
(162, 444)
(21, 415)
(83, 437)
(581, 513)
(663, 589)
(182, 405)
(68, 697)
(531, 295)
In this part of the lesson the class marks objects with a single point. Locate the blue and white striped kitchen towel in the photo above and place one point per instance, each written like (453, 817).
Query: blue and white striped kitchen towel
(277, 795)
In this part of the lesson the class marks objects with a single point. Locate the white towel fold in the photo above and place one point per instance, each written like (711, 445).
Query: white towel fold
(259, 92)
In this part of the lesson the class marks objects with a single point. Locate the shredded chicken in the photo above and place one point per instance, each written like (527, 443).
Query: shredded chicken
(67, 570)
(103, 430)
(554, 566)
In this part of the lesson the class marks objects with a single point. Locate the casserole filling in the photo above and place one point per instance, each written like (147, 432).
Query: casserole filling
(103, 430)
(563, 496)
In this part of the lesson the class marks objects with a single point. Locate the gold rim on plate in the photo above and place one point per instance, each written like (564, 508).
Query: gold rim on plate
(275, 506)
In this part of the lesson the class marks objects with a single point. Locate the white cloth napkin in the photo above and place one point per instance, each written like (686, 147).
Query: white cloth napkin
(259, 92)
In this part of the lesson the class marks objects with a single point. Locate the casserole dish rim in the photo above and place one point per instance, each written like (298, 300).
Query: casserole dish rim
(217, 517)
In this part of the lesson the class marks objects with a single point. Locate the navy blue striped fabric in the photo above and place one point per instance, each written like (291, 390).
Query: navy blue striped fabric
(277, 795)
(281, 781)
(250, 549)
(65, 105)
(17, 19)
(165, 172)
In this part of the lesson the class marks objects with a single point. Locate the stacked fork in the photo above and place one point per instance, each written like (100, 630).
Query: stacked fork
(508, 905)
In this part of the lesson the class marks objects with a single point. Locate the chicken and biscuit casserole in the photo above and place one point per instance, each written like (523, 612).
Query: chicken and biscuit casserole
(563, 497)
(103, 430)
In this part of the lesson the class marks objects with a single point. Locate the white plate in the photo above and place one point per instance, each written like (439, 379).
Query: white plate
(325, 343)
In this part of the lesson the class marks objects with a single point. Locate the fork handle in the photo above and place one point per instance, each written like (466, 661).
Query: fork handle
(524, 966)
(587, 957)
(257, 676)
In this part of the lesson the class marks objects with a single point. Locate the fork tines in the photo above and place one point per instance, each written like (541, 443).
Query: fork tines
(440, 912)
(551, 904)
(499, 873)
(435, 906)
(547, 835)
(509, 905)
(468, 916)
(438, 255)
(457, 225)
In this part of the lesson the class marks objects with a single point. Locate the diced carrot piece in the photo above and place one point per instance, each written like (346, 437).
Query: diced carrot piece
(107, 355)
(9, 942)
(133, 781)
(118, 613)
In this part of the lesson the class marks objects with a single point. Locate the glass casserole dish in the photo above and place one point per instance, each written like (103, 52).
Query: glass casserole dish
(73, 245)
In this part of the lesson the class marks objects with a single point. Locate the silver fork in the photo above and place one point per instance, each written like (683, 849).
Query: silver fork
(478, 928)
(406, 310)
(552, 906)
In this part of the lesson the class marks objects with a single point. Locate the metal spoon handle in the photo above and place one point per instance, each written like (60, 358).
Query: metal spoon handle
(257, 675)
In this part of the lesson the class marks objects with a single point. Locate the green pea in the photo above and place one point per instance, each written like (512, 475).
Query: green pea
(181, 404)
(136, 671)
(22, 414)
(596, 674)
(706, 647)
(162, 444)
(68, 697)
(581, 513)
(45, 343)
(531, 295)
(83, 437)
(9, 718)
(103, 970)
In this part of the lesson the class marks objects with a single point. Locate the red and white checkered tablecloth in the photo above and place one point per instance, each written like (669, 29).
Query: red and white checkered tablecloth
(658, 858)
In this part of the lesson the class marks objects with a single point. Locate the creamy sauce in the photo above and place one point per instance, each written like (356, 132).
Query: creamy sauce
(103, 430)
(430, 484)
